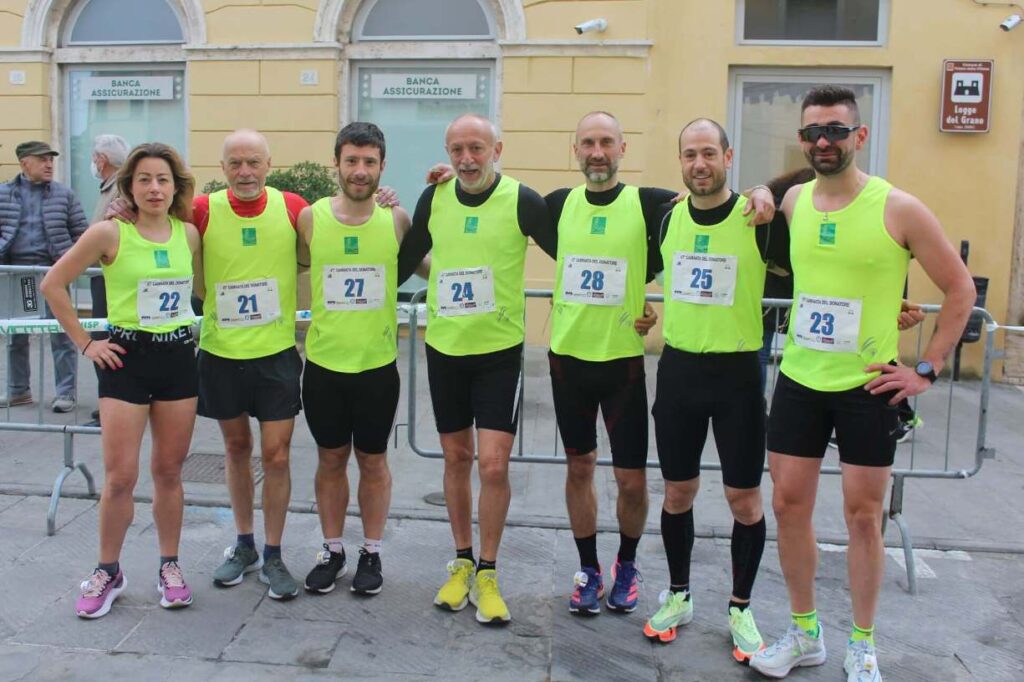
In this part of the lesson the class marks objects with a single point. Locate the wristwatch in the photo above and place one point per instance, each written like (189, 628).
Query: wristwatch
(925, 369)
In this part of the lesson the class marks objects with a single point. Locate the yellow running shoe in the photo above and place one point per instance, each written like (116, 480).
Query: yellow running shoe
(490, 607)
(452, 595)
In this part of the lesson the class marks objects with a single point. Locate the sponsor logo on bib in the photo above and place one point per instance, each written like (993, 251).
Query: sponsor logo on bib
(248, 236)
(161, 258)
(351, 246)
(598, 224)
(472, 223)
(701, 243)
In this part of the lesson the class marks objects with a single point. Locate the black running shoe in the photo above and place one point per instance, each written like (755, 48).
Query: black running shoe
(329, 567)
(368, 579)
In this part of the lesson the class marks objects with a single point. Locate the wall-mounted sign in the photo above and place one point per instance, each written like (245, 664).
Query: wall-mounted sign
(126, 87)
(966, 96)
(423, 86)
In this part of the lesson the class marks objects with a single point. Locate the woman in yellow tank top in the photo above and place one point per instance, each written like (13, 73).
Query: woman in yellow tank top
(147, 369)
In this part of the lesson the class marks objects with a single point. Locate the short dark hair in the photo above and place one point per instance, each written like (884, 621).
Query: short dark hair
(361, 134)
(830, 96)
(723, 137)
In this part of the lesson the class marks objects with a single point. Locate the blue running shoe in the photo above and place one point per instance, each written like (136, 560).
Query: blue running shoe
(626, 588)
(586, 598)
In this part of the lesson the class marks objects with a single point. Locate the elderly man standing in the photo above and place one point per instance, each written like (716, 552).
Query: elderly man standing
(108, 154)
(39, 221)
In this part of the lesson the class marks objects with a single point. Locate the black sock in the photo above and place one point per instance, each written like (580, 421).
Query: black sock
(627, 547)
(742, 606)
(485, 565)
(111, 569)
(587, 547)
(271, 551)
(168, 559)
(676, 589)
(677, 534)
(246, 539)
(465, 553)
(747, 547)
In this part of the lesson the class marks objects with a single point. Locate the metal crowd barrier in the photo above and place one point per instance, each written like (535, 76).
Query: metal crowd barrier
(912, 465)
(22, 306)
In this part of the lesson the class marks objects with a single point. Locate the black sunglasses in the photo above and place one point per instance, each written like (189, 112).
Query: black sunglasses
(832, 132)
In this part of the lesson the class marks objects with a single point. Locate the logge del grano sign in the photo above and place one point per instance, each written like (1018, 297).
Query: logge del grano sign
(423, 86)
(127, 87)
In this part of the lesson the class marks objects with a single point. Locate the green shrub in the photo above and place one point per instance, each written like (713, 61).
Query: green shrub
(309, 180)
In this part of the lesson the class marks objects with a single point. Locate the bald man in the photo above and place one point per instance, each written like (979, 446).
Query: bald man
(478, 228)
(248, 363)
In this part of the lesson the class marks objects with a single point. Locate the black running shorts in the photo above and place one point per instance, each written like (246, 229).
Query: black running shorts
(723, 389)
(153, 370)
(802, 419)
(619, 388)
(480, 388)
(266, 388)
(358, 408)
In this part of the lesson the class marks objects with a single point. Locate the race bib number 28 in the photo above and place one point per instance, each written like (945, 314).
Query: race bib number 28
(595, 281)
(248, 304)
(465, 292)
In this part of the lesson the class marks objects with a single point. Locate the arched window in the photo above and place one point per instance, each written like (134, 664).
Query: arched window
(115, 22)
(418, 20)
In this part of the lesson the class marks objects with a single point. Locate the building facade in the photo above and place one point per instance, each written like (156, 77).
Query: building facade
(186, 72)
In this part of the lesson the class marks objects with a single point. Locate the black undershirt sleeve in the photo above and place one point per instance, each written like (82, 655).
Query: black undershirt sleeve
(417, 242)
(535, 220)
(653, 202)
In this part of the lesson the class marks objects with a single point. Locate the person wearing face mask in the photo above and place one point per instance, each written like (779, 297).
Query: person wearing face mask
(108, 154)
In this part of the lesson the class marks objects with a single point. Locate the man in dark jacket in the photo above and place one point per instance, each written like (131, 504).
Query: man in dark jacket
(39, 221)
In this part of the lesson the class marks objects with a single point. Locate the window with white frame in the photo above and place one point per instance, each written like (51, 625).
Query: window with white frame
(418, 20)
(764, 115)
(113, 22)
(853, 22)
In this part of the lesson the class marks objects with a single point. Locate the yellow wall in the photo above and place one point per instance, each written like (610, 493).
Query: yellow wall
(970, 181)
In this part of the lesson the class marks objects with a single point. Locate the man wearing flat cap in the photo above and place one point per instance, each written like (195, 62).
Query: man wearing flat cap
(39, 221)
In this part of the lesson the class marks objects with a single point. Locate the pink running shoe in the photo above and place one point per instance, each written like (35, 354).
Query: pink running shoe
(174, 593)
(99, 593)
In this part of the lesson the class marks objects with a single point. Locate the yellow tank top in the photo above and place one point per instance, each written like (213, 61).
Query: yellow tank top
(250, 269)
(600, 277)
(149, 284)
(714, 279)
(475, 291)
(848, 277)
(354, 277)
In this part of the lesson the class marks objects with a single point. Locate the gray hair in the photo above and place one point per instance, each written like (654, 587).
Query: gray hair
(114, 147)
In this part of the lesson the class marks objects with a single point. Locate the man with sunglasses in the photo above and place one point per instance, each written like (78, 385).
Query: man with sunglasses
(851, 237)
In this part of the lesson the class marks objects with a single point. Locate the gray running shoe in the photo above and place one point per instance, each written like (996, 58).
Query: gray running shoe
(238, 561)
(282, 584)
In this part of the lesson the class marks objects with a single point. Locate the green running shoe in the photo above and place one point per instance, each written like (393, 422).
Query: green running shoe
(238, 561)
(282, 584)
(676, 609)
(746, 639)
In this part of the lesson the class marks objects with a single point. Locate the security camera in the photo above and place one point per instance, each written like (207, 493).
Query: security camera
(600, 25)
(1007, 24)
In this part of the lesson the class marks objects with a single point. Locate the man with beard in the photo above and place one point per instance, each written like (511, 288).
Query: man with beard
(607, 253)
(478, 228)
(709, 372)
(851, 239)
(350, 384)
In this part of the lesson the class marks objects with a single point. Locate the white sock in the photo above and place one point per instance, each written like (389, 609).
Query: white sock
(334, 544)
(373, 546)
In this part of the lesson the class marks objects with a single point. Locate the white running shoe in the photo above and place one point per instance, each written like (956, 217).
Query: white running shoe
(795, 649)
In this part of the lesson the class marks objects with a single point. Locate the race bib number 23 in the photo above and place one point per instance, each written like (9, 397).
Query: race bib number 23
(828, 324)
